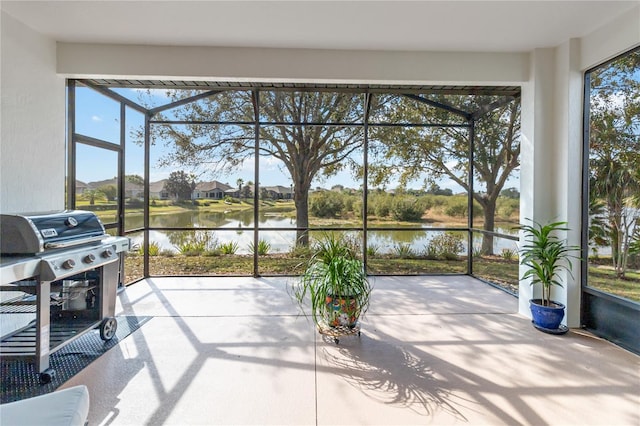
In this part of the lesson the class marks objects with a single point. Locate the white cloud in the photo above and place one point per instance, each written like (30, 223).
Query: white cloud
(96, 118)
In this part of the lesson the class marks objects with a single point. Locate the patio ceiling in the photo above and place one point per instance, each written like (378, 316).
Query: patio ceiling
(506, 93)
(512, 91)
(458, 26)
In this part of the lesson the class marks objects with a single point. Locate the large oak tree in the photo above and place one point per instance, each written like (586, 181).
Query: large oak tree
(442, 151)
(297, 130)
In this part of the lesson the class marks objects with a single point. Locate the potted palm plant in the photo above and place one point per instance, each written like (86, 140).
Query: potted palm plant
(546, 255)
(337, 285)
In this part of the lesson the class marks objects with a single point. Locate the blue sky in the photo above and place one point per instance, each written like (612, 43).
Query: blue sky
(99, 117)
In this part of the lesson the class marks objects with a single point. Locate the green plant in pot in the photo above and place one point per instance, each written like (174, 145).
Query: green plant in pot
(546, 255)
(336, 282)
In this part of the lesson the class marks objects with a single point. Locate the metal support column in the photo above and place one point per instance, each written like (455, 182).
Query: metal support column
(472, 137)
(256, 185)
(71, 146)
(147, 192)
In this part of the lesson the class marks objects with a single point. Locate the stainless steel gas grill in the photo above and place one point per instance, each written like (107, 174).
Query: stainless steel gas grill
(59, 270)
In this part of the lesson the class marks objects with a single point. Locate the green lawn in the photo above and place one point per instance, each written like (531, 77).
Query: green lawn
(108, 211)
(604, 279)
(502, 272)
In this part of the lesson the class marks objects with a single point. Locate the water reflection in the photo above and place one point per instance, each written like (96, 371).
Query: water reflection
(197, 219)
(282, 241)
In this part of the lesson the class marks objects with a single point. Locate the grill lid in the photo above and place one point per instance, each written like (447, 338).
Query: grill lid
(35, 232)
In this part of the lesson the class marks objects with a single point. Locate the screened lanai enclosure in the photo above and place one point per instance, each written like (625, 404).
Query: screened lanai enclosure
(611, 201)
(212, 178)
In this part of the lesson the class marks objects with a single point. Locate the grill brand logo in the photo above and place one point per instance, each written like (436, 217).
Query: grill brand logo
(47, 233)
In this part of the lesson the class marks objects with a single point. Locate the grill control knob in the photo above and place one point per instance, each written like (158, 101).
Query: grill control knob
(69, 264)
(107, 253)
(90, 258)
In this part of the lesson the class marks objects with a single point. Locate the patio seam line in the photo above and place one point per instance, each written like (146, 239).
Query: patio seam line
(315, 374)
(442, 313)
(228, 316)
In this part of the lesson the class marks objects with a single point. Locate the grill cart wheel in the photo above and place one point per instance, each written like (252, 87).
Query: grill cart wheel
(108, 328)
(47, 375)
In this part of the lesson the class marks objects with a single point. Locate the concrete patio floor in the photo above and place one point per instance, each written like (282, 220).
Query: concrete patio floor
(433, 350)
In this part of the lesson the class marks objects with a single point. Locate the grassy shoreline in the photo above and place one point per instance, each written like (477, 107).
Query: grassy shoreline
(503, 273)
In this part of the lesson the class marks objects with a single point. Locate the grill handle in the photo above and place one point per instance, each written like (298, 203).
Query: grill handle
(73, 243)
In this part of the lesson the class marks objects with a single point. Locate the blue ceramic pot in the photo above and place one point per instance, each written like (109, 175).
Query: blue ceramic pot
(548, 317)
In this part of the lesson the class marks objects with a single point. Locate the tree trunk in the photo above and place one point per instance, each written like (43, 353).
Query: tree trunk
(301, 200)
(615, 246)
(489, 208)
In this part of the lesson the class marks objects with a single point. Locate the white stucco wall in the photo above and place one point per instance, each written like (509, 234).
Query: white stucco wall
(568, 131)
(32, 135)
(252, 64)
(536, 150)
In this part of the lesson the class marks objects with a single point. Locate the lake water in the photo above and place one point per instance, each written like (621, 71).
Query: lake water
(281, 241)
